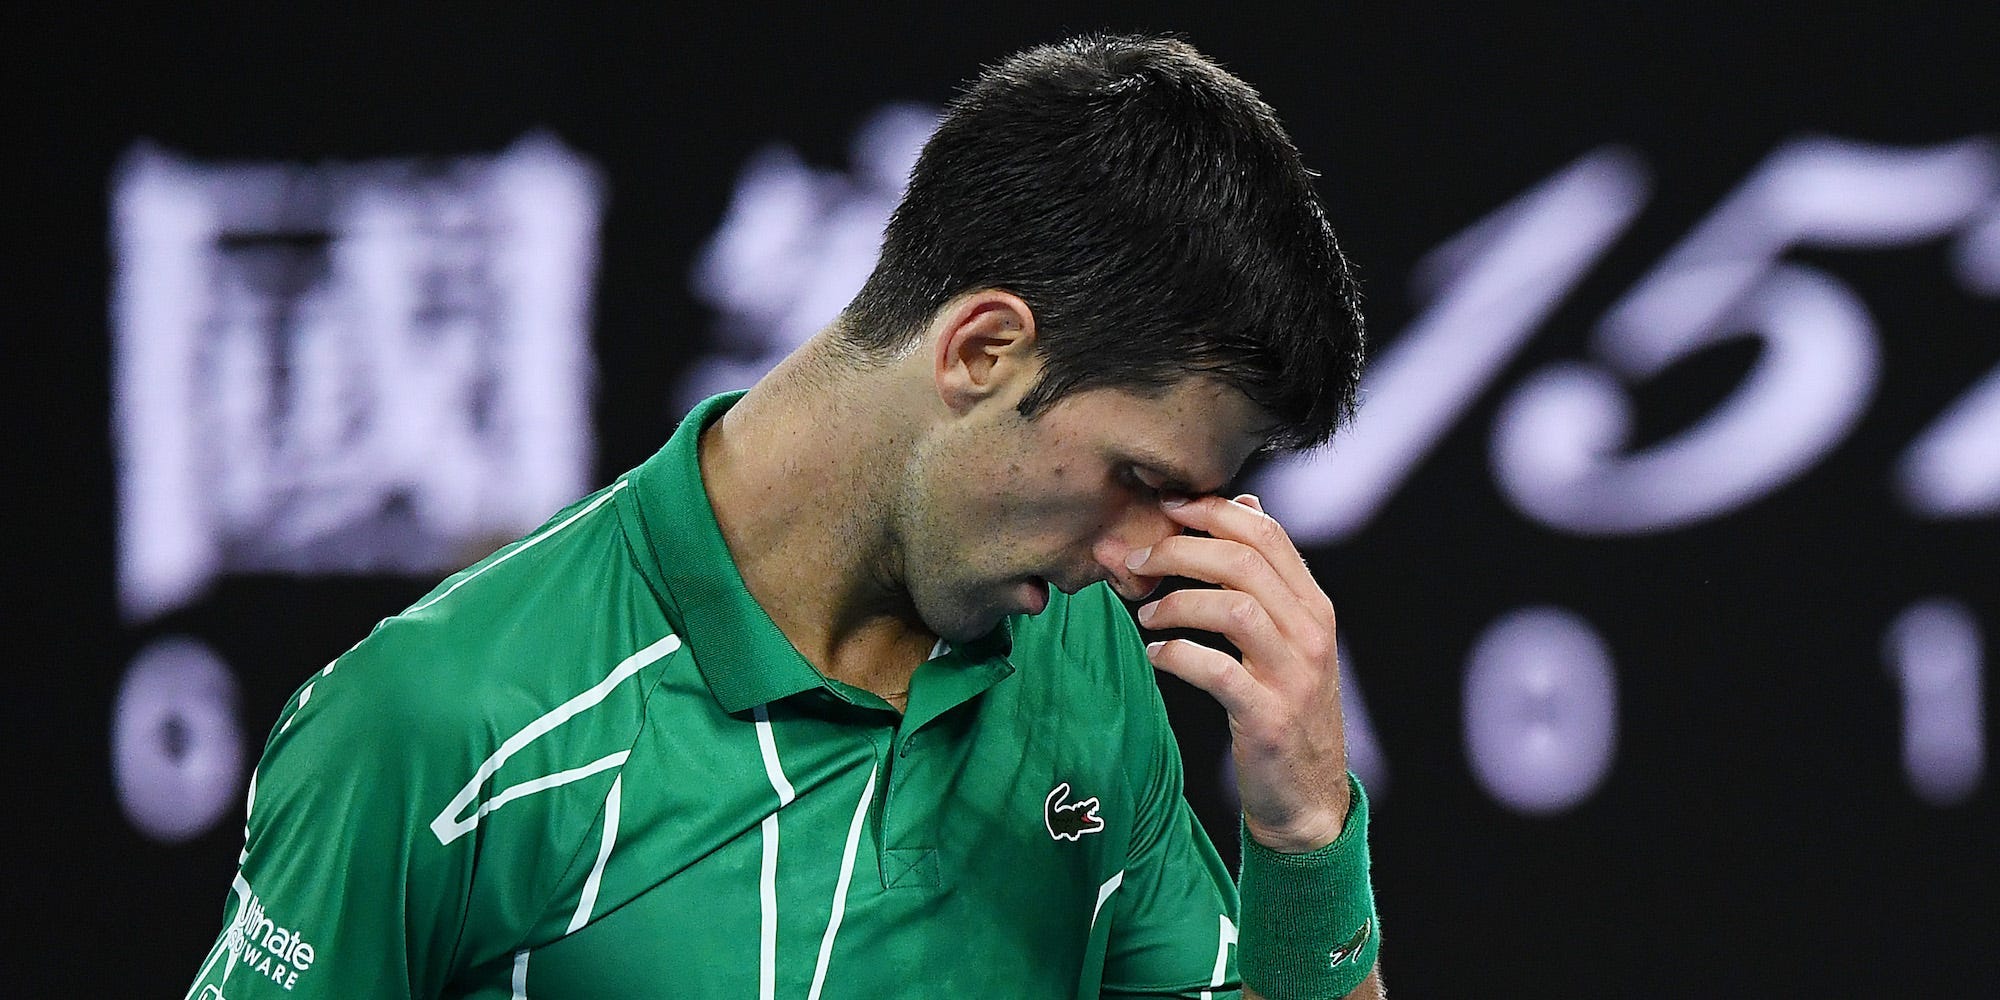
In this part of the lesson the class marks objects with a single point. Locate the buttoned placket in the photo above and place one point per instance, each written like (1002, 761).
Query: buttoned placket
(905, 831)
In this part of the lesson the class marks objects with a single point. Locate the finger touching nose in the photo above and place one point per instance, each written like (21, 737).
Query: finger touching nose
(1114, 553)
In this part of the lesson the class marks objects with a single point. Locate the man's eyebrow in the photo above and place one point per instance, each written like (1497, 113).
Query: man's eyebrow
(1172, 478)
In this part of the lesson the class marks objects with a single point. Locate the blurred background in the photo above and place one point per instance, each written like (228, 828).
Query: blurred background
(1665, 547)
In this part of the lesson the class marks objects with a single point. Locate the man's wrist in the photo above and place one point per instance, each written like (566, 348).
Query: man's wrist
(1309, 928)
(1309, 834)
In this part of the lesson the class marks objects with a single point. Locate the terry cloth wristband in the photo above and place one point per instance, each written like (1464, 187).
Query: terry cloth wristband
(1309, 926)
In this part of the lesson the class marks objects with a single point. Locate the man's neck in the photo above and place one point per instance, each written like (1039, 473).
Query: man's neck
(801, 473)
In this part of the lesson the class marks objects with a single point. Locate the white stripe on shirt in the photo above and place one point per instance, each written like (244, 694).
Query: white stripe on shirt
(596, 879)
(840, 887)
(767, 887)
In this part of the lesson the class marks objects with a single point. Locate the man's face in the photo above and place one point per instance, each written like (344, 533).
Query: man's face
(999, 507)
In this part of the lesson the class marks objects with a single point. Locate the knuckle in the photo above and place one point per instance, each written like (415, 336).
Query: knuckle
(1243, 612)
(1317, 647)
(1269, 532)
(1245, 561)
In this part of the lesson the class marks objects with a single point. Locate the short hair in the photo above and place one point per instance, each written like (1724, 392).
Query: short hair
(1153, 213)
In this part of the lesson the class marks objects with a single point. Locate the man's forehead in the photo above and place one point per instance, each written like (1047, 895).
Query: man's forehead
(1207, 425)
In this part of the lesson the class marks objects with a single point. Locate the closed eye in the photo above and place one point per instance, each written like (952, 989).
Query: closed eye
(1153, 485)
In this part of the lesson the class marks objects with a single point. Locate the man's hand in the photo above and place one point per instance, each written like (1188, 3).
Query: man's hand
(1283, 696)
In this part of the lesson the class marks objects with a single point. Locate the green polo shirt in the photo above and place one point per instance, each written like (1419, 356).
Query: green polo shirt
(590, 767)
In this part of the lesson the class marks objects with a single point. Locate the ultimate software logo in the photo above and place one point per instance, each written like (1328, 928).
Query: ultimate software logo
(255, 941)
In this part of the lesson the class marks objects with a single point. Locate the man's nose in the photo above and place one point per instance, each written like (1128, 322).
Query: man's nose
(1143, 526)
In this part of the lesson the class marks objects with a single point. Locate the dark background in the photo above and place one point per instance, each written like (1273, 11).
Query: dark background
(1755, 834)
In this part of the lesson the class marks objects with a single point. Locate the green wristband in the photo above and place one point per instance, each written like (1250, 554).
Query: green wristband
(1309, 926)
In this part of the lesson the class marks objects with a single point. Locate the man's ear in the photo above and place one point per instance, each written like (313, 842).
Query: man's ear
(985, 349)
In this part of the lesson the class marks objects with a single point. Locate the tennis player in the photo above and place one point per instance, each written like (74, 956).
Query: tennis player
(839, 695)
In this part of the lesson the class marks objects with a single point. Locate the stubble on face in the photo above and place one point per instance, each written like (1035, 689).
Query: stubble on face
(951, 558)
(990, 507)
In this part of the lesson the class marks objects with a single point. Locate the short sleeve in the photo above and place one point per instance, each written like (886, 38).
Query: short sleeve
(337, 895)
(367, 869)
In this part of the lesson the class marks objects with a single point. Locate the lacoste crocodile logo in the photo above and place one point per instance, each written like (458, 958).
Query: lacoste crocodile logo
(1068, 820)
(1352, 947)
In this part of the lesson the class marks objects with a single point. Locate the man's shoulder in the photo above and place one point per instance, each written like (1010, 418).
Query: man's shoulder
(563, 561)
(538, 622)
